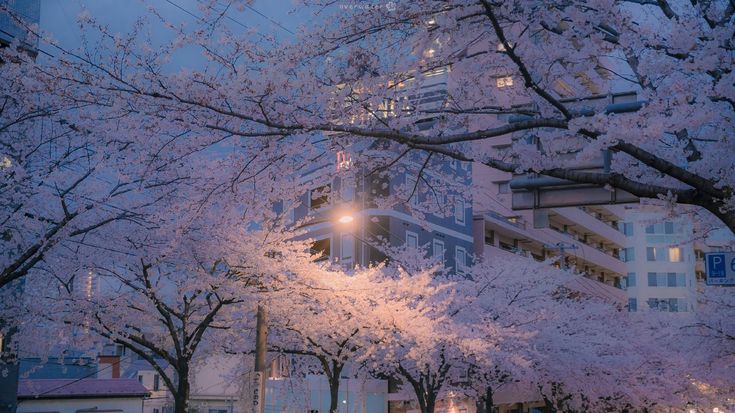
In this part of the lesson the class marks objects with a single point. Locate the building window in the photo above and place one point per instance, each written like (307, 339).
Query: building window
(504, 81)
(632, 304)
(459, 211)
(675, 254)
(412, 240)
(438, 250)
(663, 228)
(673, 305)
(504, 187)
(319, 197)
(321, 249)
(627, 254)
(412, 190)
(460, 256)
(626, 228)
(654, 254)
(347, 246)
(630, 280)
(156, 382)
(140, 379)
(155, 410)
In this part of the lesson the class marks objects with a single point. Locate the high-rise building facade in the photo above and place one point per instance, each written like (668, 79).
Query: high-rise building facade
(660, 262)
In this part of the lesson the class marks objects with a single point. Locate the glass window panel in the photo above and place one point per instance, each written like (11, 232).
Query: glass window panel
(412, 240)
(651, 253)
(675, 254)
(652, 279)
(459, 211)
(669, 227)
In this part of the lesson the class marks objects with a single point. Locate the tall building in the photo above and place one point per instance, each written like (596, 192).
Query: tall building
(661, 262)
(356, 191)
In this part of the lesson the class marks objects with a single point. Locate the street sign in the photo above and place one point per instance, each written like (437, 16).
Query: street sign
(720, 268)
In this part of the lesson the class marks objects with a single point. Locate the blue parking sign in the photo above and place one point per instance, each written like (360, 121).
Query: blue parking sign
(716, 266)
(720, 268)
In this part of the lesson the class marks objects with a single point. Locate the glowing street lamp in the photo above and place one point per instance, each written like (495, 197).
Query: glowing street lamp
(345, 219)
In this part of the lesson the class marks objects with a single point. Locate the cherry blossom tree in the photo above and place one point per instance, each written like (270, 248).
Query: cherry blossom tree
(354, 76)
(344, 317)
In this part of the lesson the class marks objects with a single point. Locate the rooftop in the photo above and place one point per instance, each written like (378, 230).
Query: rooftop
(84, 388)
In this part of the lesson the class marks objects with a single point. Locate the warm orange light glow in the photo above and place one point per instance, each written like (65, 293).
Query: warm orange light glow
(346, 219)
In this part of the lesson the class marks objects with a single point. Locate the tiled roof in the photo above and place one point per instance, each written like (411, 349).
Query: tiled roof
(75, 388)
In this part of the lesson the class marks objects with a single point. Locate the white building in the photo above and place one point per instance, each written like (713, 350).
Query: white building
(80, 396)
(660, 260)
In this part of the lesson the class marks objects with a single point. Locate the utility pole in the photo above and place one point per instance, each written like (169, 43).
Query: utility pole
(261, 340)
(562, 247)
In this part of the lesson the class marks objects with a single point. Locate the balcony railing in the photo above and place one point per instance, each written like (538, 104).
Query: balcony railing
(516, 222)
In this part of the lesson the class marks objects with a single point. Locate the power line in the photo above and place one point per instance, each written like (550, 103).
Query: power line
(81, 378)
(270, 20)
(276, 23)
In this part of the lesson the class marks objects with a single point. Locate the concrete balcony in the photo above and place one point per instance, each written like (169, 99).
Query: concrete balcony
(596, 256)
(591, 225)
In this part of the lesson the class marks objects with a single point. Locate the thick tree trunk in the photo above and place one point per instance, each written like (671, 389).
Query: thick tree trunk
(334, 394)
(334, 386)
(181, 398)
(488, 399)
(430, 403)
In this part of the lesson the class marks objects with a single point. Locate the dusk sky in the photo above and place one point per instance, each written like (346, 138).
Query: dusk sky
(59, 17)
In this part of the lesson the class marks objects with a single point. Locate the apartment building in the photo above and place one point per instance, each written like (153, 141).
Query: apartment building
(343, 189)
(661, 262)
(536, 223)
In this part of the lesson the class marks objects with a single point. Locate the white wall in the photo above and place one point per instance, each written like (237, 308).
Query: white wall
(641, 266)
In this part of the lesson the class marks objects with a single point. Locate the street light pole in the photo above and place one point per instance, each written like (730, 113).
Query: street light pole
(261, 339)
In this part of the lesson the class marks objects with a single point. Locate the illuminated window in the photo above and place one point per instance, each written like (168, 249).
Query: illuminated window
(504, 81)
(675, 254)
